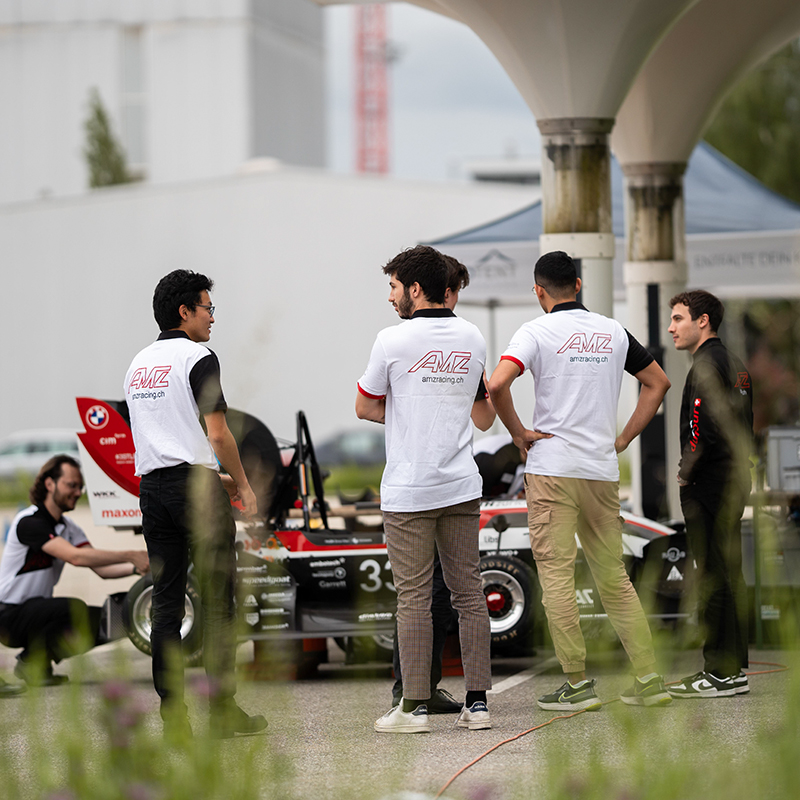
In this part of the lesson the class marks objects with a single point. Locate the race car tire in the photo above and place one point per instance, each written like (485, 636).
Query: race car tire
(509, 587)
(136, 610)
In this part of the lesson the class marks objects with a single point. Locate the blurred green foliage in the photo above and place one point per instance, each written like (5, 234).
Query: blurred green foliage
(758, 124)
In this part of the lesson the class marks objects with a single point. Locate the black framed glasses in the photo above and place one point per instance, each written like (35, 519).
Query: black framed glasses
(211, 309)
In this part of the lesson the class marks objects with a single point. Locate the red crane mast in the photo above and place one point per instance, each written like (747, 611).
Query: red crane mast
(372, 101)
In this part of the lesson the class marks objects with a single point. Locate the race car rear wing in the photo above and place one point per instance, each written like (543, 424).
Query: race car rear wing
(282, 483)
(107, 460)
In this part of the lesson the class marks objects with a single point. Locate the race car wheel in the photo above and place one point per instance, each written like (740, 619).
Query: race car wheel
(137, 619)
(507, 586)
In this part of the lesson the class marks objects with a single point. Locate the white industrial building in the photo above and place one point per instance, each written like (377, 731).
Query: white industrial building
(296, 254)
(195, 88)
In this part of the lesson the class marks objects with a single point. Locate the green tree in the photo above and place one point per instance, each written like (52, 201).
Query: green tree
(104, 154)
(758, 124)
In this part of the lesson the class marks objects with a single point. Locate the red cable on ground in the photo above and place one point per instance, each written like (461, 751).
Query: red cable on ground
(500, 744)
(780, 668)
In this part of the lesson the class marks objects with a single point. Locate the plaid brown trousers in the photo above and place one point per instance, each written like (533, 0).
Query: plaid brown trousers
(410, 538)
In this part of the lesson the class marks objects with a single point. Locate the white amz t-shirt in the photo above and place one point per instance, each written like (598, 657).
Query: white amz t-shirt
(167, 387)
(428, 368)
(577, 359)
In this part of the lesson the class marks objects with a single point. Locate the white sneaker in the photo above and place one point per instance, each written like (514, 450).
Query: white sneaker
(398, 721)
(740, 683)
(476, 718)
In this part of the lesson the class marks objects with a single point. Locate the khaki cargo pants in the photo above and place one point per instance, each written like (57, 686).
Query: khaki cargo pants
(557, 509)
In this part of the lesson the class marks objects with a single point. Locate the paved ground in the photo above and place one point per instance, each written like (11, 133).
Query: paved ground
(321, 743)
(321, 729)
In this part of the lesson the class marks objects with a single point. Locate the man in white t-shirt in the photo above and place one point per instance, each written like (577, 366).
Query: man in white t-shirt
(577, 360)
(186, 507)
(40, 541)
(421, 380)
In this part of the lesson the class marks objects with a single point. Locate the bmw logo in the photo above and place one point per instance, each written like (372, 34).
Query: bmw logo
(97, 417)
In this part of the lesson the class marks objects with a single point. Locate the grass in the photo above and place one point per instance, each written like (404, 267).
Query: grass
(351, 479)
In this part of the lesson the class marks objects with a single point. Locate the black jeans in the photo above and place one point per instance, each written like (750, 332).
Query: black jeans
(442, 614)
(713, 515)
(186, 511)
(57, 626)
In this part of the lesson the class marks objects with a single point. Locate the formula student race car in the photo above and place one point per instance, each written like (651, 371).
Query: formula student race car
(312, 572)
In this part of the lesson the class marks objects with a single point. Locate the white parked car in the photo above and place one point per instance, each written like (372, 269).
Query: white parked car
(26, 451)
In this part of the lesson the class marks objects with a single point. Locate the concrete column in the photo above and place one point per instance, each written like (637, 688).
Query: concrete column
(576, 202)
(655, 270)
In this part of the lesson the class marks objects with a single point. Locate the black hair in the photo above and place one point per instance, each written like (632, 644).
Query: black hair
(181, 287)
(423, 265)
(700, 302)
(556, 273)
(457, 274)
(52, 469)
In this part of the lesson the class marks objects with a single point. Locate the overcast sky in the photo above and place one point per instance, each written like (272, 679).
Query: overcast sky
(450, 100)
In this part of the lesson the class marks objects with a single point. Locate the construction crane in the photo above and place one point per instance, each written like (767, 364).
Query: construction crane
(372, 89)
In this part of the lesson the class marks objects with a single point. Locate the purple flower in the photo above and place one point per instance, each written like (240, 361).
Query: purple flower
(141, 791)
(115, 691)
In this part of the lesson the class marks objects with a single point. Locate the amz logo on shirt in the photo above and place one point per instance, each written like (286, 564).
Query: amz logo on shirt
(581, 343)
(456, 362)
(156, 378)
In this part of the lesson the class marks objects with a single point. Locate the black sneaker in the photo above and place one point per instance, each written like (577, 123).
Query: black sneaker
(10, 689)
(572, 698)
(740, 682)
(33, 674)
(703, 684)
(443, 702)
(177, 730)
(228, 720)
(647, 693)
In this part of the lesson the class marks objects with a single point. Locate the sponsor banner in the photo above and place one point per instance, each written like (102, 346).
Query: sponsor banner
(109, 502)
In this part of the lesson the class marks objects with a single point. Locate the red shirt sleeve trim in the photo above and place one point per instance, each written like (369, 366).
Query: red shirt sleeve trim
(82, 544)
(516, 361)
(371, 396)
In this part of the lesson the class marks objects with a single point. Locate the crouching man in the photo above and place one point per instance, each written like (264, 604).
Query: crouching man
(40, 541)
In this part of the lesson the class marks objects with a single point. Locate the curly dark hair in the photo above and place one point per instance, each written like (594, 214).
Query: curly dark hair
(700, 302)
(556, 273)
(457, 274)
(181, 287)
(423, 265)
(52, 469)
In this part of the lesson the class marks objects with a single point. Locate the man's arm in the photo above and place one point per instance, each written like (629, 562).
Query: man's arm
(371, 408)
(483, 413)
(654, 386)
(224, 445)
(500, 391)
(98, 560)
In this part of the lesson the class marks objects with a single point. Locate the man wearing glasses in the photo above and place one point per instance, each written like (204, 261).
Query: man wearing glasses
(186, 507)
(40, 541)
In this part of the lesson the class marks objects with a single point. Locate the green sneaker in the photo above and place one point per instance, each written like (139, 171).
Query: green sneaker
(572, 698)
(647, 693)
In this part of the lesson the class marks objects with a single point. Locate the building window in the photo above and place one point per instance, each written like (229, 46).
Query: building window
(133, 101)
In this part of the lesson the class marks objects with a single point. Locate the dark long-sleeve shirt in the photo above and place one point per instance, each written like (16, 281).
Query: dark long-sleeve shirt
(716, 417)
